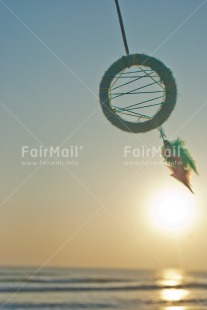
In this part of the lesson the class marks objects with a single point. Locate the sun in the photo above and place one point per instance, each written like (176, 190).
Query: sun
(173, 210)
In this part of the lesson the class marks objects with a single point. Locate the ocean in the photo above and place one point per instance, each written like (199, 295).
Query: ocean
(64, 288)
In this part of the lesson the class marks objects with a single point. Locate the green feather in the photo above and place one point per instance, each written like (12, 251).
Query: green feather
(184, 154)
(167, 150)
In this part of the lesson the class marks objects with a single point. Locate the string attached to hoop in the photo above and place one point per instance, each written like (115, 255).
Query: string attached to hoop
(122, 27)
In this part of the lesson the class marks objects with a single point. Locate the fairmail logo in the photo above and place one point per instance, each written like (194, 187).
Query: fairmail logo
(51, 151)
(146, 152)
(51, 156)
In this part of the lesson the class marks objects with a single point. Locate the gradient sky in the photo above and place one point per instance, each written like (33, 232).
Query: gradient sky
(53, 55)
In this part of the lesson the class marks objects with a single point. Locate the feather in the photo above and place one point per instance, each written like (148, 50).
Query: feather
(184, 154)
(179, 161)
(167, 150)
(181, 175)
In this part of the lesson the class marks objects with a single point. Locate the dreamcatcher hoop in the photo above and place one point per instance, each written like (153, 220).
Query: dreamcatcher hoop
(169, 92)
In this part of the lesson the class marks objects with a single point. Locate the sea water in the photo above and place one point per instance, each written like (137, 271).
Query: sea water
(65, 288)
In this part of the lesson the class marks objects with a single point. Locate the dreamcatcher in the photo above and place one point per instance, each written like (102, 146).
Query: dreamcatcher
(137, 94)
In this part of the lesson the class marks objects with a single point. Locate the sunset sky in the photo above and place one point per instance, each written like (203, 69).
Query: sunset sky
(96, 213)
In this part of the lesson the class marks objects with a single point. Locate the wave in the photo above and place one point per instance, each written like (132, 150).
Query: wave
(56, 306)
(123, 305)
(27, 288)
(100, 283)
(64, 281)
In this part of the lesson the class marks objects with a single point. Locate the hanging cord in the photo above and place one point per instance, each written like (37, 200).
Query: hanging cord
(122, 27)
(162, 133)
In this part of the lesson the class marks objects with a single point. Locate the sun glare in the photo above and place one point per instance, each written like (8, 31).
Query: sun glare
(173, 210)
(173, 294)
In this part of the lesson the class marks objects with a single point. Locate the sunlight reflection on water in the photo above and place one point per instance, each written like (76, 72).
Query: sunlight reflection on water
(173, 294)
(175, 308)
(173, 278)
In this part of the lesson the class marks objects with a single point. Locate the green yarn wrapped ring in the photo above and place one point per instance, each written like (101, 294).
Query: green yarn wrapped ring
(138, 68)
